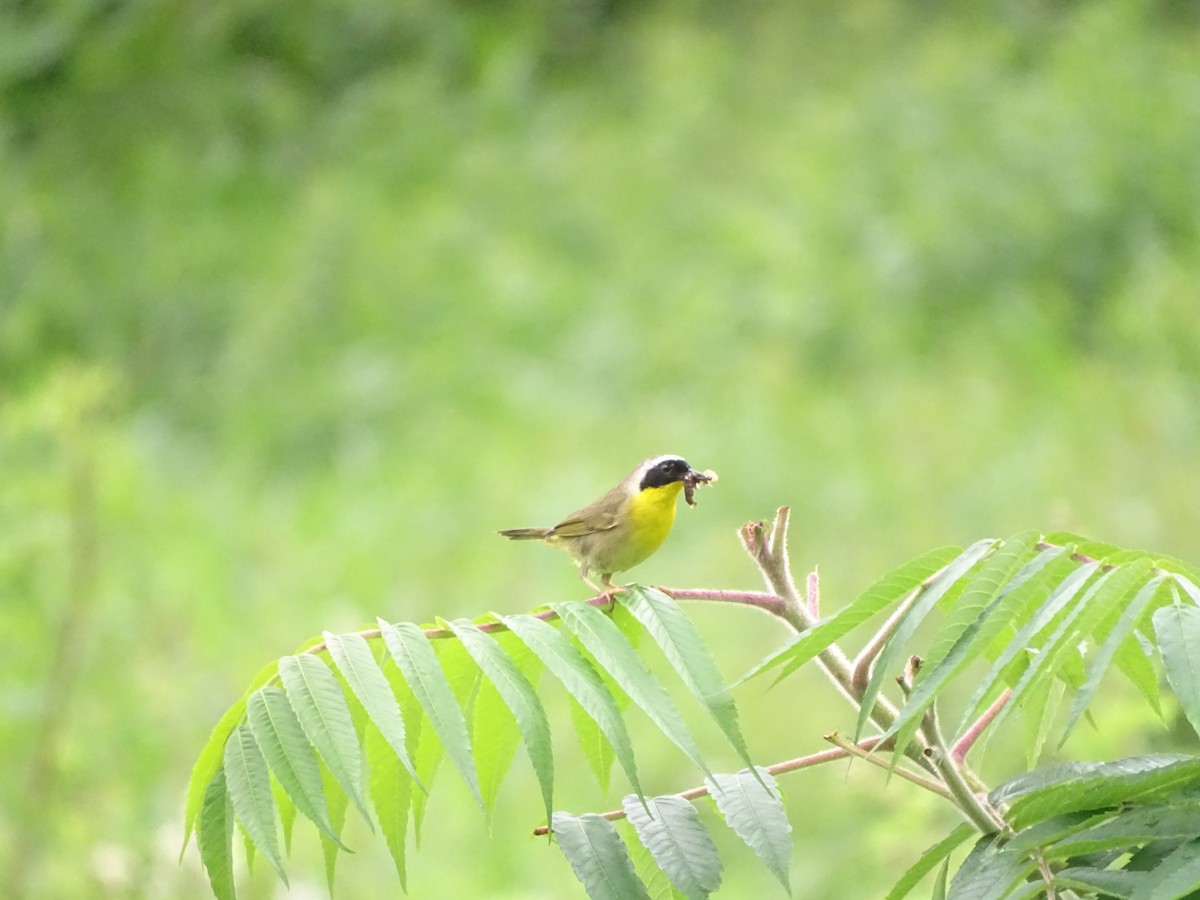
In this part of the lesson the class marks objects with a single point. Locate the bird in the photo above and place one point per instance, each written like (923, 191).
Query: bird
(627, 524)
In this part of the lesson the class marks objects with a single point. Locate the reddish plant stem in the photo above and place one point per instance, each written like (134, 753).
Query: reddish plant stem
(779, 768)
(964, 744)
(767, 602)
(763, 600)
(866, 658)
(813, 584)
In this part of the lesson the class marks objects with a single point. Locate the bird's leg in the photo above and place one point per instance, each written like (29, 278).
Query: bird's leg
(609, 589)
(583, 574)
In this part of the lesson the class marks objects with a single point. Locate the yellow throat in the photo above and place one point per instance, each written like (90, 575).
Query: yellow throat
(651, 515)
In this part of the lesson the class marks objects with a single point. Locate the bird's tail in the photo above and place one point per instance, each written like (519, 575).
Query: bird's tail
(526, 534)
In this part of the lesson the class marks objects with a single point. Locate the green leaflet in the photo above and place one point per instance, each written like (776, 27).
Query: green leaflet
(213, 754)
(249, 784)
(598, 857)
(1126, 829)
(614, 654)
(994, 578)
(247, 846)
(597, 749)
(424, 747)
(1031, 587)
(288, 753)
(582, 682)
(1188, 583)
(208, 764)
(658, 886)
(287, 813)
(684, 649)
(1038, 711)
(1138, 778)
(939, 884)
(989, 871)
(1135, 662)
(626, 623)
(1058, 599)
(887, 665)
(1175, 876)
(1056, 773)
(669, 827)
(521, 697)
(317, 698)
(1111, 587)
(355, 661)
(929, 860)
(1178, 630)
(428, 751)
(337, 802)
(1116, 883)
(495, 737)
(878, 597)
(419, 664)
(968, 629)
(753, 807)
(391, 790)
(1050, 831)
(1104, 656)
(214, 837)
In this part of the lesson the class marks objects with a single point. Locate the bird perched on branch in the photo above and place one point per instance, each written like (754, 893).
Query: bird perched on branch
(627, 524)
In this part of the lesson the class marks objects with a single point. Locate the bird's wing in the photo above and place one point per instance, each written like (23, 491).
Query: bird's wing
(603, 515)
(577, 526)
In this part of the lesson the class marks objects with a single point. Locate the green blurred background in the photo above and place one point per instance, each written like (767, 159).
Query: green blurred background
(301, 301)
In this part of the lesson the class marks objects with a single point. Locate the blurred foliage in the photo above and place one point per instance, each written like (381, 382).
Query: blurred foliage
(320, 294)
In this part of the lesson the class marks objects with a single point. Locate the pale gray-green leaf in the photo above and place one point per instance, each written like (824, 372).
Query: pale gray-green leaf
(597, 856)
(670, 828)
(1062, 595)
(1178, 630)
(683, 647)
(612, 651)
(989, 872)
(1175, 876)
(888, 666)
(214, 837)
(249, 784)
(316, 696)
(286, 749)
(521, 698)
(582, 682)
(419, 664)
(1103, 657)
(358, 666)
(753, 807)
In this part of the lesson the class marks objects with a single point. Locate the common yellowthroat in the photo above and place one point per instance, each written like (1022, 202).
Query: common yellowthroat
(627, 524)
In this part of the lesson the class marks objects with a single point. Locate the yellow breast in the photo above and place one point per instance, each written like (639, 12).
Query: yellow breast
(651, 514)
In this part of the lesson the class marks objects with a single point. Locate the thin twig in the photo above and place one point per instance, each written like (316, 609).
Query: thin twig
(779, 768)
(855, 750)
(1047, 875)
(958, 778)
(866, 658)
